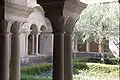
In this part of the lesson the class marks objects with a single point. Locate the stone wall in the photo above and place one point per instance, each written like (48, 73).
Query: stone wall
(36, 59)
(91, 54)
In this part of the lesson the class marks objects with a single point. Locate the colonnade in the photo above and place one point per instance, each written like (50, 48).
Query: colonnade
(12, 66)
(62, 66)
(34, 48)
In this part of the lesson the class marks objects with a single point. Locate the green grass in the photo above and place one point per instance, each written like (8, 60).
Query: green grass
(95, 75)
(36, 69)
(82, 71)
(96, 71)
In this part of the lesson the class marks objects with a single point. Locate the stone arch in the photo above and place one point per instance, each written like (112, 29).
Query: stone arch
(25, 28)
(14, 26)
(32, 39)
(41, 38)
(70, 24)
(34, 29)
(37, 17)
(10, 24)
(45, 40)
(43, 28)
(49, 26)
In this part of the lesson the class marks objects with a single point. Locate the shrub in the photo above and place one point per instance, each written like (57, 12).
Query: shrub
(36, 69)
(94, 60)
(113, 61)
(89, 59)
(95, 67)
(33, 77)
(79, 66)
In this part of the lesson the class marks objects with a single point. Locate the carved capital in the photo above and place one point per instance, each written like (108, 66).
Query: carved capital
(3, 26)
(16, 27)
(70, 24)
(58, 24)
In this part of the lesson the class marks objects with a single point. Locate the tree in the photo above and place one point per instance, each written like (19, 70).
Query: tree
(98, 22)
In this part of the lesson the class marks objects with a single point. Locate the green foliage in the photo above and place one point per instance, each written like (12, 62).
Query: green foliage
(96, 67)
(80, 66)
(33, 77)
(82, 71)
(95, 75)
(89, 59)
(36, 69)
(112, 61)
(103, 68)
(98, 21)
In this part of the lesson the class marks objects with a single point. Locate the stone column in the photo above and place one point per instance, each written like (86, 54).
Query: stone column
(33, 44)
(68, 56)
(58, 50)
(15, 57)
(37, 44)
(26, 44)
(4, 52)
(58, 56)
(70, 23)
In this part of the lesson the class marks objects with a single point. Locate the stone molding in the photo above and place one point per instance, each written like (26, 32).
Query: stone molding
(70, 24)
(58, 24)
(74, 7)
(11, 26)
(16, 6)
(16, 12)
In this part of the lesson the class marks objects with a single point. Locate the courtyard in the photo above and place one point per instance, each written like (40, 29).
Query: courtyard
(59, 40)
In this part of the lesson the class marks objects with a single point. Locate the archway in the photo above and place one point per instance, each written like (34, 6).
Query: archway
(42, 39)
(32, 40)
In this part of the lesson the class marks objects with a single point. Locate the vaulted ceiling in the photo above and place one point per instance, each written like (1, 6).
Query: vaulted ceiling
(56, 7)
(52, 7)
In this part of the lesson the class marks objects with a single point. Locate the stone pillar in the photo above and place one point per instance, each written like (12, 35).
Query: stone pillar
(58, 50)
(70, 23)
(15, 57)
(58, 56)
(26, 44)
(68, 56)
(4, 52)
(33, 44)
(37, 44)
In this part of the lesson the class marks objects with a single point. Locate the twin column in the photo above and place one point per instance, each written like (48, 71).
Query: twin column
(15, 60)
(62, 51)
(62, 56)
(34, 47)
(14, 67)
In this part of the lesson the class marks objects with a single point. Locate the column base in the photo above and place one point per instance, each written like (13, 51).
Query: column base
(37, 54)
(32, 53)
(26, 55)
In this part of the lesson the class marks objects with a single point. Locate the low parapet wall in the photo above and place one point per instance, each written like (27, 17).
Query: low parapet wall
(36, 59)
(91, 54)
